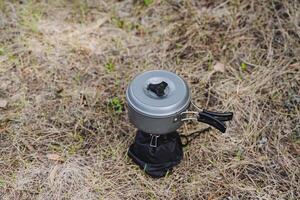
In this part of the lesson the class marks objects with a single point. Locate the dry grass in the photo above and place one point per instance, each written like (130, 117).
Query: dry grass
(63, 61)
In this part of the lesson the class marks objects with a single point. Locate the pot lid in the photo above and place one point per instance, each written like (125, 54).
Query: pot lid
(158, 93)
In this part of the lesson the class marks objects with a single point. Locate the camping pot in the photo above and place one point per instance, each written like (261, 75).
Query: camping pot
(158, 103)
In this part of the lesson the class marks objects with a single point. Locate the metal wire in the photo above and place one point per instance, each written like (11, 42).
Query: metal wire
(191, 112)
(190, 137)
(190, 118)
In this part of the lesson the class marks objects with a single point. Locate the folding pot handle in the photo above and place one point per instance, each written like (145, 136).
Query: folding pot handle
(211, 120)
(224, 116)
(215, 119)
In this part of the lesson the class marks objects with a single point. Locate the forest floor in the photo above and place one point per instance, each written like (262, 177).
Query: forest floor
(64, 68)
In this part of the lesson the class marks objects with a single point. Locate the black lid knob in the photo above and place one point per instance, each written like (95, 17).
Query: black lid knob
(158, 89)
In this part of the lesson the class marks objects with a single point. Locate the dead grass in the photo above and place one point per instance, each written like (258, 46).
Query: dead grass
(62, 62)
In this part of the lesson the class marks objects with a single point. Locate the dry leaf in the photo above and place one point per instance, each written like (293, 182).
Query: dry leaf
(219, 67)
(3, 103)
(55, 157)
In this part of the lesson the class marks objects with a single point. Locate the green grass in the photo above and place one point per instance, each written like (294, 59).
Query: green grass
(81, 8)
(148, 2)
(110, 66)
(243, 67)
(2, 5)
(29, 17)
(116, 105)
(2, 182)
(2, 51)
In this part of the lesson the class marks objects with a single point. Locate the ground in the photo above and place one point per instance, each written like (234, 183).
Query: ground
(64, 68)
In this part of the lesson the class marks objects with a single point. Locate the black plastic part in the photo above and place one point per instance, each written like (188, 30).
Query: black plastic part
(156, 161)
(159, 88)
(208, 119)
(225, 116)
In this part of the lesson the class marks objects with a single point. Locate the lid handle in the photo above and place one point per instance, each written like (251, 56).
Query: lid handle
(158, 89)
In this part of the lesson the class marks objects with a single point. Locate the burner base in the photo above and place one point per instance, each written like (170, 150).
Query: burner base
(156, 154)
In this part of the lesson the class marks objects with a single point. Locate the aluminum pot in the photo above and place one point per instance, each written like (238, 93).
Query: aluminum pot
(158, 103)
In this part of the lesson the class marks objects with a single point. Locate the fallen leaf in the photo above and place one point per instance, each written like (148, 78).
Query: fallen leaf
(55, 157)
(219, 67)
(3, 103)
